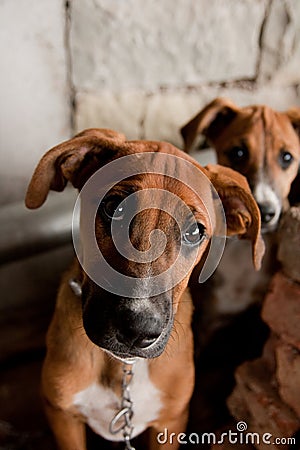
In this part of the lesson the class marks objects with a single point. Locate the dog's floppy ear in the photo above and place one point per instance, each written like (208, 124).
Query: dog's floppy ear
(294, 116)
(62, 163)
(241, 210)
(210, 121)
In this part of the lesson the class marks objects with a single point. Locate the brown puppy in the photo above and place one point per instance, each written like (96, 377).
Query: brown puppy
(96, 332)
(263, 145)
(258, 142)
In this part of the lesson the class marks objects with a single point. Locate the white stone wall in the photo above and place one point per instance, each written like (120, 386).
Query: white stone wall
(143, 67)
(134, 44)
(34, 95)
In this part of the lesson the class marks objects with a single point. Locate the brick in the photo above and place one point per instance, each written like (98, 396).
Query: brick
(280, 99)
(268, 354)
(123, 112)
(288, 375)
(289, 243)
(166, 112)
(281, 309)
(161, 45)
(281, 43)
(266, 411)
(160, 115)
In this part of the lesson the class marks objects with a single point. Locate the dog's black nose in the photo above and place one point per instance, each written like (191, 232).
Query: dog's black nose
(267, 212)
(139, 329)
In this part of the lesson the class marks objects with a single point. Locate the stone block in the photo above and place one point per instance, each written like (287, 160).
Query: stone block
(133, 44)
(289, 243)
(168, 111)
(266, 412)
(269, 349)
(279, 98)
(281, 309)
(281, 43)
(33, 89)
(237, 405)
(122, 112)
(288, 375)
(160, 115)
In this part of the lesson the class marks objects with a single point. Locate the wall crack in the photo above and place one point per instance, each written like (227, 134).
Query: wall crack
(69, 64)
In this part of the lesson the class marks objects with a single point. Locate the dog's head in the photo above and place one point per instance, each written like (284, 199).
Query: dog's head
(138, 320)
(258, 142)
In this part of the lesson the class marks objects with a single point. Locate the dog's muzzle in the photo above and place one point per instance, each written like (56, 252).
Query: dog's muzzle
(269, 204)
(128, 327)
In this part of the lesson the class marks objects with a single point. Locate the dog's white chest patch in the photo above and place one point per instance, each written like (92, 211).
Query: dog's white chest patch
(99, 404)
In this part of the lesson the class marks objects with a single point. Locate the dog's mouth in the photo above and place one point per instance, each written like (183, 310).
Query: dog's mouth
(269, 204)
(269, 225)
(128, 328)
(268, 228)
(125, 351)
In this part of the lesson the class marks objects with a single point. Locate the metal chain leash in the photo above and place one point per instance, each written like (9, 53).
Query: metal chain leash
(126, 411)
(122, 421)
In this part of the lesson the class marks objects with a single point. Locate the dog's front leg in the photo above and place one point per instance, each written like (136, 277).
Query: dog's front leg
(68, 429)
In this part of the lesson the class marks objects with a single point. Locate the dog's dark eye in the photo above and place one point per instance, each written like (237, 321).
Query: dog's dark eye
(238, 156)
(285, 159)
(111, 207)
(194, 234)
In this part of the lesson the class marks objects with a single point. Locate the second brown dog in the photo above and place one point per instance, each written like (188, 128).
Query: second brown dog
(264, 146)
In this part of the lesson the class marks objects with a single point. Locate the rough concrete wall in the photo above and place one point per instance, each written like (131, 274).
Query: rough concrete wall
(146, 67)
(141, 67)
(35, 112)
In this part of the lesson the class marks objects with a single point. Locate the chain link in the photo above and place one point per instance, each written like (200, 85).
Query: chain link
(122, 421)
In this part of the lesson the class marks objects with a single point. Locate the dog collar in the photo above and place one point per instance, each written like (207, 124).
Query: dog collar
(75, 287)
